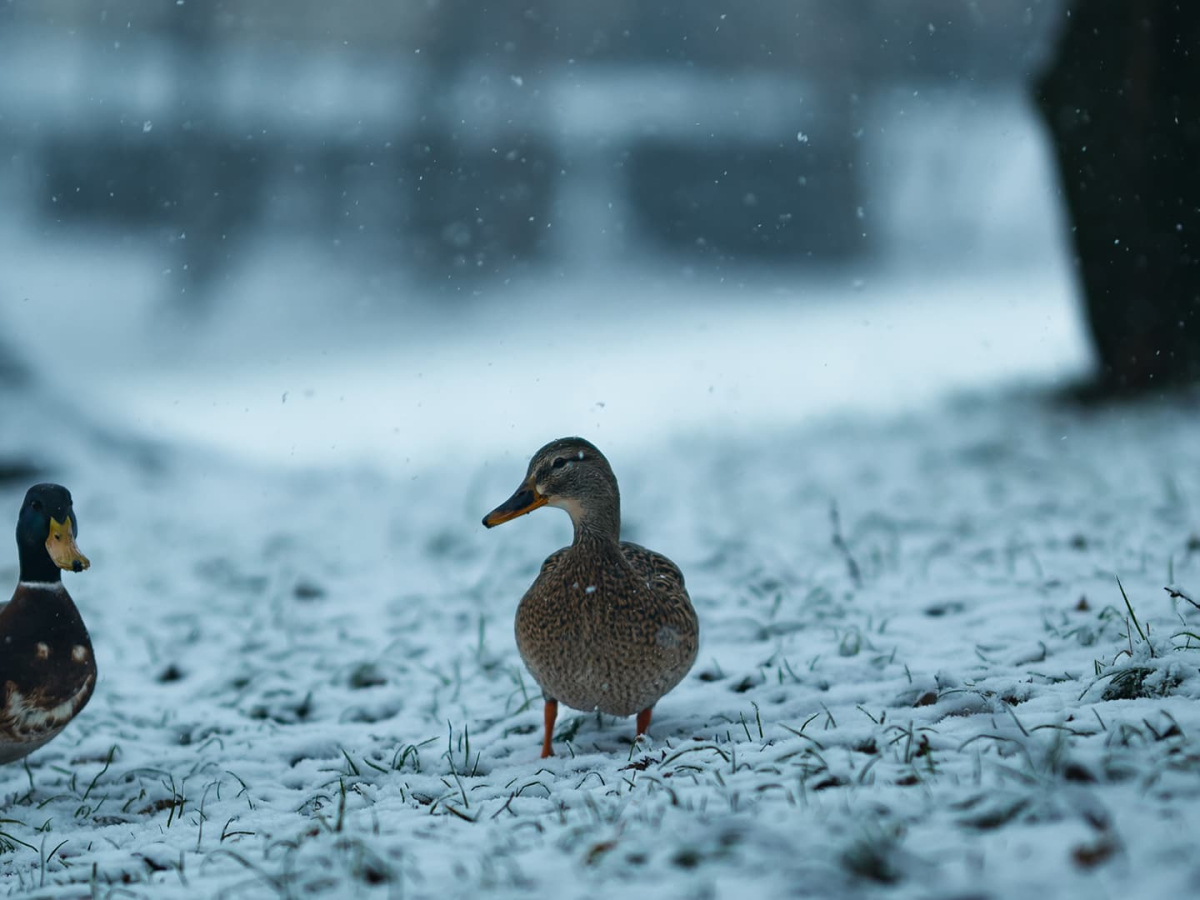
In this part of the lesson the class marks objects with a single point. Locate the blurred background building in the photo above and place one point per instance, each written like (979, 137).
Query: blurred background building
(270, 161)
(468, 141)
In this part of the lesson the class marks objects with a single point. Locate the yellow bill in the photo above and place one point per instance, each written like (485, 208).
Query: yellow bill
(62, 548)
(525, 500)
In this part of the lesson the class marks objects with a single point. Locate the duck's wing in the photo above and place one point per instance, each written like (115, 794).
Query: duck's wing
(660, 573)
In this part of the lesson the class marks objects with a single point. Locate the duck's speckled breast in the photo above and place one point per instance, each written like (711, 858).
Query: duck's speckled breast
(610, 629)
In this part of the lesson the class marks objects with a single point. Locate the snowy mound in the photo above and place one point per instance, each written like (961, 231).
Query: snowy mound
(918, 676)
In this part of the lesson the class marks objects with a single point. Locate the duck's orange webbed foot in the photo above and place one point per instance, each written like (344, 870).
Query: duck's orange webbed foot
(550, 713)
(643, 720)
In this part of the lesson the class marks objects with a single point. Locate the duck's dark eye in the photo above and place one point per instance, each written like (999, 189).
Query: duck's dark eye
(559, 463)
(35, 505)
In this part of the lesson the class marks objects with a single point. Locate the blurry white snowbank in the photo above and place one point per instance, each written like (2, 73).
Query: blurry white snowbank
(626, 360)
(322, 356)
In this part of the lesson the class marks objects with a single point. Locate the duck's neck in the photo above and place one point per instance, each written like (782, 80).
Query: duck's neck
(37, 566)
(600, 524)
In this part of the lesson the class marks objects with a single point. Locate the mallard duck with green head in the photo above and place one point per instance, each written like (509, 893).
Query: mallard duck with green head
(607, 625)
(47, 669)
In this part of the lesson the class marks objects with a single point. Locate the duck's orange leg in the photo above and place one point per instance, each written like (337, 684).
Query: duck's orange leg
(550, 713)
(643, 720)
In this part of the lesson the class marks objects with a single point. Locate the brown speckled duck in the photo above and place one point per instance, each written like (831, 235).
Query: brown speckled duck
(607, 625)
(47, 670)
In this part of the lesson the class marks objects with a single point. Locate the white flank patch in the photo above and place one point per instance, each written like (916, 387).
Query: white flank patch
(79, 653)
(33, 722)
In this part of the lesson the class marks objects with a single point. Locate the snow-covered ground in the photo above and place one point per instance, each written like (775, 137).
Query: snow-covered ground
(918, 676)
(309, 684)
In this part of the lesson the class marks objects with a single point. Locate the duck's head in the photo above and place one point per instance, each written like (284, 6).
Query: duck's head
(46, 530)
(572, 474)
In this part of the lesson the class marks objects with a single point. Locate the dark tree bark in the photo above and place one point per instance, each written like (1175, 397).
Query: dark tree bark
(1122, 102)
(14, 467)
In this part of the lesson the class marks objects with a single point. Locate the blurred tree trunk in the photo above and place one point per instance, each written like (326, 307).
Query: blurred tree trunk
(10, 371)
(1122, 102)
(14, 467)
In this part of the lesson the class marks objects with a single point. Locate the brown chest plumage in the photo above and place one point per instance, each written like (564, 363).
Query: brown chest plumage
(47, 668)
(607, 628)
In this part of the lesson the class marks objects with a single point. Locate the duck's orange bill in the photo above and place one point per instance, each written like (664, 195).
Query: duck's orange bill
(61, 546)
(525, 500)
